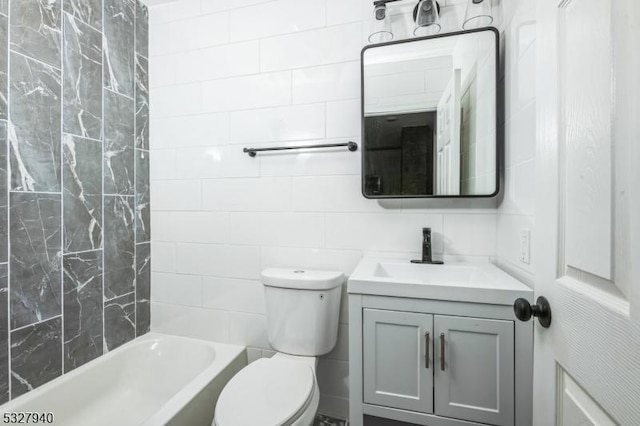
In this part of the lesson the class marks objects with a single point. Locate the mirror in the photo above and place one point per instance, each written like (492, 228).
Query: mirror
(430, 117)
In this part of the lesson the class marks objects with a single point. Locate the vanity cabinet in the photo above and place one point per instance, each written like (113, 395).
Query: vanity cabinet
(450, 366)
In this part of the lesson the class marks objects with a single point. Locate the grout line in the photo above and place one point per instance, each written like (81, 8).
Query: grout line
(62, 228)
(135, 173)
(8, 199)
(102, 158)
(36, 323)
(58, 69)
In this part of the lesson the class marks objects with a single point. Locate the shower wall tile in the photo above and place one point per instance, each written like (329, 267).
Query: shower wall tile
(119, 317)
(118, 144)
(35, 143)
(35, 355)
(82, 57)
(82, 194)
(142, 29)
(4, 334)
(83, 316)
(4, 66)
(87, 11)
(119, 246)
(119, 38)
(36, 257)
(74, 185)
(143, 288)
(143, 201)
(36, 29)
(142, 102)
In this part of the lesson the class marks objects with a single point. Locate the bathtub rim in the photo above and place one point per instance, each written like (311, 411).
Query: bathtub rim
(225, 354)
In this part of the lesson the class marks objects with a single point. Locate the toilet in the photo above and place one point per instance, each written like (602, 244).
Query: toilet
(302, 308)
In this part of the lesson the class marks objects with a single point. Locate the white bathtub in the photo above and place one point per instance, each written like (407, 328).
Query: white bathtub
(154, 380)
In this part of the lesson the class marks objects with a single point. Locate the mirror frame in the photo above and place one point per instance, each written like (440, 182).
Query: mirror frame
(499, 108)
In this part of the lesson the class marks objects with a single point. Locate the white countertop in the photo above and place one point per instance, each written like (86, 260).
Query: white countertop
(479, 282)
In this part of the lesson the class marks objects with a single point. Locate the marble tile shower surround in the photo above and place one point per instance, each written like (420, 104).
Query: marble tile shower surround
(74, 202)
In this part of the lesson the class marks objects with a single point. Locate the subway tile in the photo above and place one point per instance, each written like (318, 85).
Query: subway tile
(229, 60)
(333, 377)
(290, 123)
(382, 231)
(191, 227)
(190, 131)
(310, 258)
(143, 289)
(174, 11)
(470, 234)
(277, 229)
(327, 83)
(341, 350)
(83, 309)
(344, 118)
(332, 194)
(228, 294)
(36, 29)
(177, 289)
(189, 34)
(218, 260)
(162, 71)
(178, 195)
(215, 162)
(330, 45)
(273, 18)
(247, 194)
(248, 330)
(164, 257)
(340, 12)
(173, 101)
(249, 92)
(189, 321)
(162, 165)
(214, 6)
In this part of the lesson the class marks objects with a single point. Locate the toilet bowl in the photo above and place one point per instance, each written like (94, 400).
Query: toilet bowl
(302, 320)
(282, 390)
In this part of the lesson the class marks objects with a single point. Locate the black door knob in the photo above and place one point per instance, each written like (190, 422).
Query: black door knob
(541, 310)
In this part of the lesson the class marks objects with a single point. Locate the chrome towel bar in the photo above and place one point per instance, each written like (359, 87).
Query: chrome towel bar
(352, 146)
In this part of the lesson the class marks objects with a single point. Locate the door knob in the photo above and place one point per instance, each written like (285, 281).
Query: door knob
(541, 310)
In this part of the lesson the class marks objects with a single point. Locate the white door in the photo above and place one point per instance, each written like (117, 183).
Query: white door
(448, 138)
(587, 364)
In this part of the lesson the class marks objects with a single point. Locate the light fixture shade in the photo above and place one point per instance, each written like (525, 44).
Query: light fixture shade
(427, 18)
(381, 25)
(479, 14)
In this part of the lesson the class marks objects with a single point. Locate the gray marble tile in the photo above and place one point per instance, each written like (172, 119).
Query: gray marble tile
(35, 143)
(82, 89)
(119, 17)
(119, 321)
(142, 29)
(143, 203)
(142, 102)
(35, 355)
(118, 144)
(36, 28)
(36, 257)
(4, 7)
(143, 288)
(4, 67)
(4, 334)
(83, 315)
(82, 194)
(88, 11)
(119, 246)
(4, 207)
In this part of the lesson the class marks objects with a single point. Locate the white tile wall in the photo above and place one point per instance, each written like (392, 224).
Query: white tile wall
(229, 74)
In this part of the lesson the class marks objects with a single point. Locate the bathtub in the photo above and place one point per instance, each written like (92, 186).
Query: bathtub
(154, 380)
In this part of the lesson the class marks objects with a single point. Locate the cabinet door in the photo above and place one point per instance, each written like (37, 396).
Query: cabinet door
(474, 377)
(398, 359)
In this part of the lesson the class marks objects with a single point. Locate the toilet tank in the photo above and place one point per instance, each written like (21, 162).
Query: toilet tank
(303, 309)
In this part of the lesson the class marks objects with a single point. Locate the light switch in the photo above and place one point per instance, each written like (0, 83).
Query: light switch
(525, 246)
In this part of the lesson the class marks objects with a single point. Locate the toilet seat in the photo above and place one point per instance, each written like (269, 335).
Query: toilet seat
(266, 392)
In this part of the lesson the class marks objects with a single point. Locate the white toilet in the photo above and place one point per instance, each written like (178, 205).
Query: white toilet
(302, 315)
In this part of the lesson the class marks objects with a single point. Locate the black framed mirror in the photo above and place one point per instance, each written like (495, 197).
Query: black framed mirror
(430, 117)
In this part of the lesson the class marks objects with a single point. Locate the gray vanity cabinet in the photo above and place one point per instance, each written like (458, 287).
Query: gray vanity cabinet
(397, 370)
(476, 381)
(449, 366)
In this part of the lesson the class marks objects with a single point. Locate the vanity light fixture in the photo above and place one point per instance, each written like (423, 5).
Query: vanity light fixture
(478, 14)
(426, 15)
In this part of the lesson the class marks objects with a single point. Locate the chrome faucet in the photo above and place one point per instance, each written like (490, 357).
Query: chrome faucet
(427, 249)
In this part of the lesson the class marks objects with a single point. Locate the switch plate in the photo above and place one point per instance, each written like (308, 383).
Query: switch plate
(525, 246)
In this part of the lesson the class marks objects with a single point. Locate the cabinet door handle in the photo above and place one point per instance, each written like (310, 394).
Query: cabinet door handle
(427, 340)
(442, 351)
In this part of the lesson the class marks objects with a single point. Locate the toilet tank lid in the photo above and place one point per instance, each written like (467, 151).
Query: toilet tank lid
(302, 279)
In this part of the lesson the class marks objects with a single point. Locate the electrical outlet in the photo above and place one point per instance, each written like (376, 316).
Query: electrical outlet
(525, 246)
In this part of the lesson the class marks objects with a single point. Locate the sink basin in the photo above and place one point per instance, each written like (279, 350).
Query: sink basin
(458, 281)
